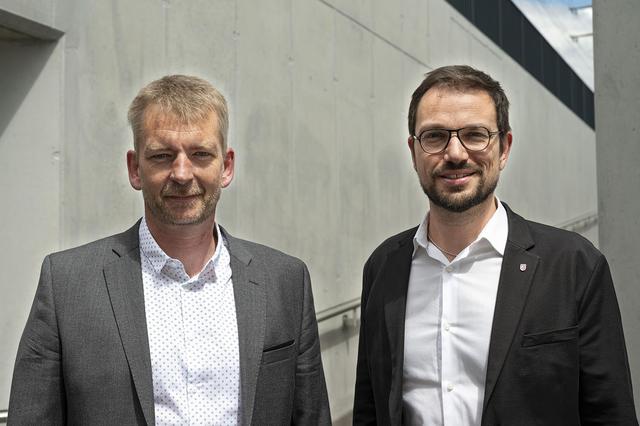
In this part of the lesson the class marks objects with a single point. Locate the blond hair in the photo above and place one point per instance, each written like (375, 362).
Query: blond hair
(190, 99)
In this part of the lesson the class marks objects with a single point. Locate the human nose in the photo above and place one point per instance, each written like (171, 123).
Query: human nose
(455, 152)
(181, 169)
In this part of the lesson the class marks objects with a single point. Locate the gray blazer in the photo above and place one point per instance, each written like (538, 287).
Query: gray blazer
(84, 355)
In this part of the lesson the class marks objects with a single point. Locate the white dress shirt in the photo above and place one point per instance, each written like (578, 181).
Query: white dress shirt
(449, 315)
(193, 337)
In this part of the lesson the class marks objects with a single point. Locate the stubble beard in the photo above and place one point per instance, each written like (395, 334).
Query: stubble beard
(457, 202)
(165, 214)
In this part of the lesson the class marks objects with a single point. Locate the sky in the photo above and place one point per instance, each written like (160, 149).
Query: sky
(558, 23)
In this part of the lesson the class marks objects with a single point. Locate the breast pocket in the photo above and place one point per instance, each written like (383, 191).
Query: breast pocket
(547, 370)
(549, 337)
(549, 356)
(279, 352)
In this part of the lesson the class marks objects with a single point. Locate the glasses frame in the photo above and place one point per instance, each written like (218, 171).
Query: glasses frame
(457, 131)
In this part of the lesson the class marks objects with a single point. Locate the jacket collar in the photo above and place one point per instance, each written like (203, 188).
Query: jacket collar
(518, 268)
(123, 277)
(249, 288)
(395, 279)
(513, 289)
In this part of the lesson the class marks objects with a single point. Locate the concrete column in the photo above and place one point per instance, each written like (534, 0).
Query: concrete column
(617, 107)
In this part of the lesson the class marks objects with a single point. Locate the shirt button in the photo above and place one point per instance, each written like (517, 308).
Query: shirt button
(448, 269)
(446, 326)
(449, 387)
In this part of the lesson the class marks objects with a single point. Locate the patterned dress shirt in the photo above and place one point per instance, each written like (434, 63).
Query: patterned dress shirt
(193, 337)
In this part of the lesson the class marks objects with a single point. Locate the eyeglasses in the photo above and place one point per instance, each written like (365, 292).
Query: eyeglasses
(434, 141)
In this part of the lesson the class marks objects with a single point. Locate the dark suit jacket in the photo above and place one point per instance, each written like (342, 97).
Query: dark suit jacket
(84, 355)
(557, 354)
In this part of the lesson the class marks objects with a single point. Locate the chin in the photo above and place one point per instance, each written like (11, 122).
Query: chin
(455, 202)
(189, 219)
(181, 218)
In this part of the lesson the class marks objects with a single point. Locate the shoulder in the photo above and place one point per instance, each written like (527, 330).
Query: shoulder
(565, 245)
(284, 277)
(392, 244)
(98, 251)
(262, 257)
(550, 241)
(261, 251)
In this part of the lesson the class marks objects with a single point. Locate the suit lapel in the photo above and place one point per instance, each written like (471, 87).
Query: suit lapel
(394, 280)
(123, 278)
(250, 298)
(518, 269)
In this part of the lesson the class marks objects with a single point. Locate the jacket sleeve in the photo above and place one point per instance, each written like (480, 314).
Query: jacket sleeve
(311, 404)
(37, 389)
(606, 396)
(364, 410)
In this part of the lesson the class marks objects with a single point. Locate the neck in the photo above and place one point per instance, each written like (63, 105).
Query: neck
(193, 245)
(452, 232)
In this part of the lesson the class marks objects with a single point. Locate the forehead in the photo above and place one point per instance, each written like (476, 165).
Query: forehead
(155, 118)
(166, 125)
(455, 108)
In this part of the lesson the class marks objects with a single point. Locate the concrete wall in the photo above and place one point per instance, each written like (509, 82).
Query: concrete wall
(318, 92)
(617, 104)
(30, 169)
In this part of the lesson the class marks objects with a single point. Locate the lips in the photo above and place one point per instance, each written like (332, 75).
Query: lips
(173, 191)
(181, 195)
(181, 198)
(456, 177)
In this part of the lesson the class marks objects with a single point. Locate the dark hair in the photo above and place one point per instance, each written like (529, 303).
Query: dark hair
(462, 77)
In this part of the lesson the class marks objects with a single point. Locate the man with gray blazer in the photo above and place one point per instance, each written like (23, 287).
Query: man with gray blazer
(174, 321)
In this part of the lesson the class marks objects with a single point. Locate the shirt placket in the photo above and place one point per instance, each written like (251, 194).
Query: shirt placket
(449, 367)
(189, 309)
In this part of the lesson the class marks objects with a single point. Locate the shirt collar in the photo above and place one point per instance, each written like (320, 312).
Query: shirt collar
(420, 239)
(497, 229)
(158, 258)
(494, 232)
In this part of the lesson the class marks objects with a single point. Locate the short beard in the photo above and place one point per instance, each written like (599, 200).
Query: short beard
(454, 204)
(161, 212)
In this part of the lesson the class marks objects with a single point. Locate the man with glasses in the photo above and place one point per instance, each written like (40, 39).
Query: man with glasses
(478, 316)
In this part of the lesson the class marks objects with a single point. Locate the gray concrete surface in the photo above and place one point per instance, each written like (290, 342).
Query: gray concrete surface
(318, 92)
(617, 106)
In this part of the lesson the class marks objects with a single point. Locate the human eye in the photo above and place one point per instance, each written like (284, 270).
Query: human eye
(202, 154)
(475, 134)
(159, 156)
(433, 135)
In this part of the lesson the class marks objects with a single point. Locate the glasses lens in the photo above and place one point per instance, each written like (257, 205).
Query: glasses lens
(434, 140)
(474, 138)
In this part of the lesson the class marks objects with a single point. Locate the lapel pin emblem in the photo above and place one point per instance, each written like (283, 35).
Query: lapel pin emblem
(523, 267)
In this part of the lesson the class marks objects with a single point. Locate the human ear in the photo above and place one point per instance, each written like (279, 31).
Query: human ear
(229, 164)
(133, 167)
(505, 148)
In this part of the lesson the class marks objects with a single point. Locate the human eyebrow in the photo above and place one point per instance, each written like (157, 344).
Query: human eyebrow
(157, 152)
(430, 126)
(206, 146)
(150, 150)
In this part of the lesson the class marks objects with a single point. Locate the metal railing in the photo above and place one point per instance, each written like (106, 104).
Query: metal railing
(338, 309)
(580, 223)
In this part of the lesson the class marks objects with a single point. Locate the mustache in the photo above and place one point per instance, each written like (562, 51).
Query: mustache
(174, 190)
(452, 167)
